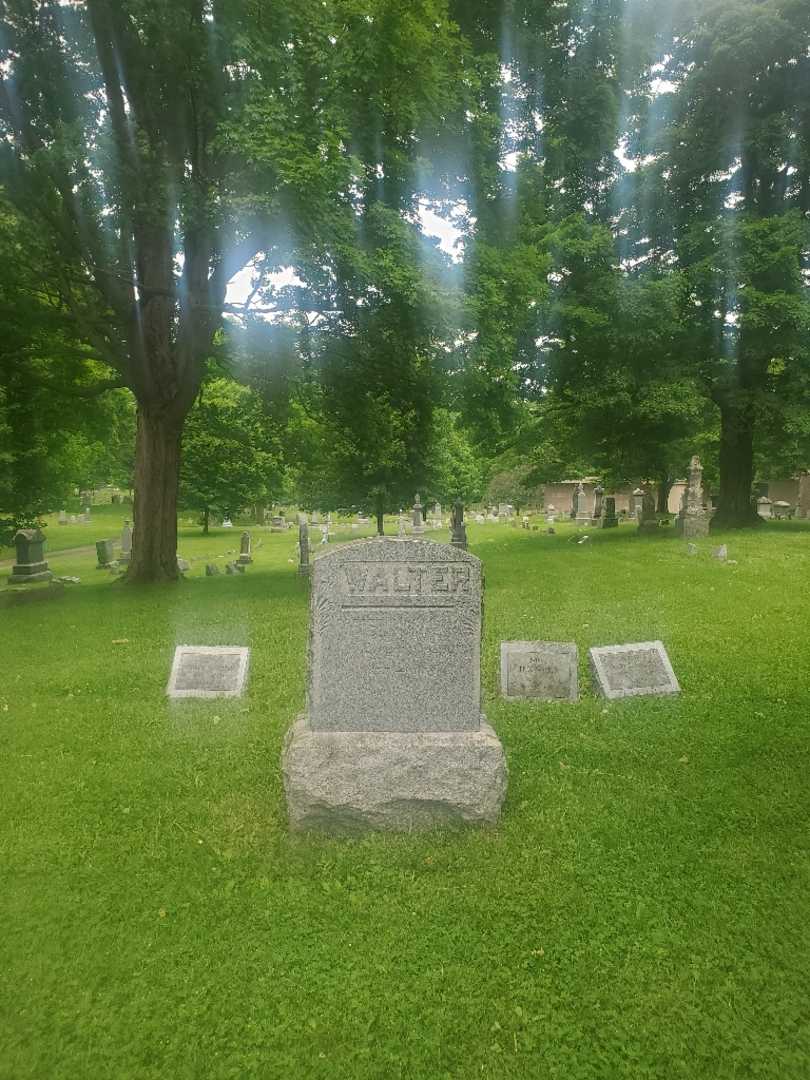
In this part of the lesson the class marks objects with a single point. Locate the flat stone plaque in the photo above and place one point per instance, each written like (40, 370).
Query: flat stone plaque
(395, 633)
(208, 671)
(544, 670)
(631, 670)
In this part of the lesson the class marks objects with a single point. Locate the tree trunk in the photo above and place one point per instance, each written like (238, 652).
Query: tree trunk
(206, 518)
(157, 464)
(664, 488)
(734, 508)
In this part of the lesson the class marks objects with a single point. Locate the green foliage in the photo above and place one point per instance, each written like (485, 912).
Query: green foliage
(230, 455)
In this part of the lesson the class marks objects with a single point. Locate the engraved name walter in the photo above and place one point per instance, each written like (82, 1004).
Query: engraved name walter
(395, 634)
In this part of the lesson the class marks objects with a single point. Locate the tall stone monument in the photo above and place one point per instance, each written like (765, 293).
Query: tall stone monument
(598, 495)
(803, 506)
(245, 558)
(695, 518)
(418, 519)
(458, 530)
(125, 554)
(30, 565)
(636, 504)
(649, 519)
(303, 547)
(393, 737)
(581, 515)
(609, 519)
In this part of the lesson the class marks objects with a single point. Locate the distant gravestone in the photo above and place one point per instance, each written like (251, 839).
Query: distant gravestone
(394, 737)
(211, 570)
(207, 671)
(546, 670)
(30, 565)
(720, 553)
(632, 670)
(803, 505)
(303, 547)
(418, 520)
(244, 549)
(277, 524)
(649, 519)
(183, 565)
(104, 553)
(636, 504)
(580, 509)
(598, 495)
(63, 518)
(458, 530)
(765, 507)
(695, 519)
(609, 519)
(125, 554)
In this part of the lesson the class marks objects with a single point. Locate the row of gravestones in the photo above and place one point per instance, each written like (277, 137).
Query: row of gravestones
(394, 736)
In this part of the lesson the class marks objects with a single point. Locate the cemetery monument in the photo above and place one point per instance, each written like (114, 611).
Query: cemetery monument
(30, 565)
(393, 737)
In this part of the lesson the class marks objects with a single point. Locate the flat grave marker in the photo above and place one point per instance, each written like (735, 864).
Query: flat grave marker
(642, 667)
(208, 671)
(543, 670)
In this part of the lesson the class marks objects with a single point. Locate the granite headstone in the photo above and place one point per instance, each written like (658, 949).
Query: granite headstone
(394, 737)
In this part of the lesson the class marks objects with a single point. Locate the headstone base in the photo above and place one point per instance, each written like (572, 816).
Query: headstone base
(350, 782)
(28, 573)
(695, 526)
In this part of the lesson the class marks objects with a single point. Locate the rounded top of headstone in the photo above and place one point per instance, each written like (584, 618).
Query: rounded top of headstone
(763, 499)
(396, 549)
(31, 535)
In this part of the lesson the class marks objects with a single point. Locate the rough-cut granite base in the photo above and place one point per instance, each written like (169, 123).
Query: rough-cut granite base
(344, 782)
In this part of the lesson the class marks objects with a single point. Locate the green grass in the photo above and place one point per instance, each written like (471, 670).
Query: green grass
(641, 911)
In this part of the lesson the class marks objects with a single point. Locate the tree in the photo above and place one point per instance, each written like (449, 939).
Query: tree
(230, 458)
(120, 123)
(726, 193)
(59, 424)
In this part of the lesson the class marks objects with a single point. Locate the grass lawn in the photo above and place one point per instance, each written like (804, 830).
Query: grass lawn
(641, 911)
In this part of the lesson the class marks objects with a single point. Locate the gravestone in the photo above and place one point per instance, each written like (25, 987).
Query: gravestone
(803, 505)
(227, 523)
(401, 525)
(211, 570)
(125, 554)
(63, 518)
(394, 737)
(720, 553)
(458, 530)
(598, 495)
(30, 565)
(621, 671)
(580, 509)
(104, 553)
(609, 519)
(208, 671)
(546, 670)
(73, 519)
(695, 519)
(765, 507)
(636, 504)
(782, 509)
(649, 521)
(418, 520)
(325, 533)
(183, 565)
(303, 547)
(277, 524)
(244, 549)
